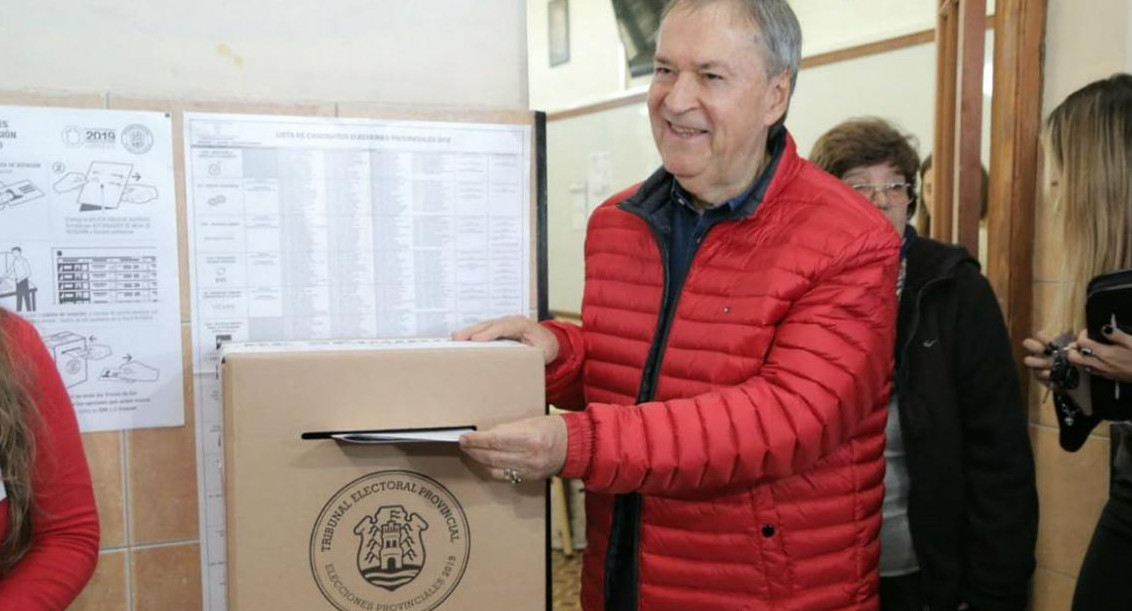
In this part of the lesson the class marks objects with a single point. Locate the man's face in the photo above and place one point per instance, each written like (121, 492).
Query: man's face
(710, 102)
(928, 193)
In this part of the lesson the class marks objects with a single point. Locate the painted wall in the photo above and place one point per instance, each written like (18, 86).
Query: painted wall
(899, 86)
(597, 71)
(596, 68)
(828, 25)
(443, 52)
(620, 139)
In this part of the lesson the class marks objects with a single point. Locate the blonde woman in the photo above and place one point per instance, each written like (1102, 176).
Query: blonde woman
(1089, 152)
(48, 523)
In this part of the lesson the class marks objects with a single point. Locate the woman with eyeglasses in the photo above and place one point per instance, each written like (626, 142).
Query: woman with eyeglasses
(960, 512)
(1088, 143)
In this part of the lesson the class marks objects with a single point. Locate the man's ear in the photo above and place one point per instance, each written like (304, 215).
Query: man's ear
(778, 97)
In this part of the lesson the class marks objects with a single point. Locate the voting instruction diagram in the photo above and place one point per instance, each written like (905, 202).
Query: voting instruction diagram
(88, 254)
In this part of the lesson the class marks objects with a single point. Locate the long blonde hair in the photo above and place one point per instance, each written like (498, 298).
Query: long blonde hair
(1088, 140)
(16, 452)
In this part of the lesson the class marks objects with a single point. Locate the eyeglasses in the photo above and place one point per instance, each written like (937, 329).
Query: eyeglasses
(895, 193)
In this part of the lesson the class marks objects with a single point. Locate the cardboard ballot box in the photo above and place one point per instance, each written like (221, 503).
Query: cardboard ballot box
(328, 523)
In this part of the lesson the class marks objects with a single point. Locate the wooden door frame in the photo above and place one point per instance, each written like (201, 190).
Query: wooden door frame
(1015, 133)
(957, 155)
(1019, 27)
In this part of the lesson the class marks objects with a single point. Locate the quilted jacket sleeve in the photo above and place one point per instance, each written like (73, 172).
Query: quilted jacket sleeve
(826, 371)
(564, 375)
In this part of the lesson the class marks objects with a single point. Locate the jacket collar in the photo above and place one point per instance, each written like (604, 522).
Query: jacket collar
(655, 193)
(926, 263)
(929, 260)
(910, 236)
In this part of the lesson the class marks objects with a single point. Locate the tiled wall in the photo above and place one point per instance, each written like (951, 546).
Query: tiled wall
(1072, 488)
(146, 489)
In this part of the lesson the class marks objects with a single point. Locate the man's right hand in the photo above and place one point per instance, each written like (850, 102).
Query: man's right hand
(518, 328)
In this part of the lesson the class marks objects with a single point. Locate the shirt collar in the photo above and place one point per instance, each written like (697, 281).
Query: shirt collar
(685, 199)
(910, 236)
(776, 141)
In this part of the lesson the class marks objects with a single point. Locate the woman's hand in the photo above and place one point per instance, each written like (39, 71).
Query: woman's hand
(534, 448)
(1040, 359)
(1113, 361)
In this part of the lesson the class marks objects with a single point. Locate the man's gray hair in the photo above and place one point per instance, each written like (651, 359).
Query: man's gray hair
(780, 35)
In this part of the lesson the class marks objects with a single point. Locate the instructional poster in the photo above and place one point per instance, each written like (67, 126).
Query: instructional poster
(312, 228)
(88, 253)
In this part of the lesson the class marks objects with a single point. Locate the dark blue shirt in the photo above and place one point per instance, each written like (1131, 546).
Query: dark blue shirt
(684, 231)
(689, 225)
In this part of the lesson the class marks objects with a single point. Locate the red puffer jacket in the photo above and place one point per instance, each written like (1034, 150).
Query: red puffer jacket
(760, 458)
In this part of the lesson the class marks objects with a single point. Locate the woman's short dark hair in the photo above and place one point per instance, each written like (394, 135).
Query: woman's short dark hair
(868, 141)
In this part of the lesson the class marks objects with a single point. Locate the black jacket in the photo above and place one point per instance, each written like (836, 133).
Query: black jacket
(973, 505)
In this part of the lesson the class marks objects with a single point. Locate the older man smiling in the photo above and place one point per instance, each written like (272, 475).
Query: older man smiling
(731, 372)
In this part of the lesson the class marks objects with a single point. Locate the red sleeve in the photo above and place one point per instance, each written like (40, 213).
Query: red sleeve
(65, 526)
(564, 374)
(827, 371)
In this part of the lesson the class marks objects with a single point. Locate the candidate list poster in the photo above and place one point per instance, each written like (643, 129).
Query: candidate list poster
(88, 254)
(332, 228)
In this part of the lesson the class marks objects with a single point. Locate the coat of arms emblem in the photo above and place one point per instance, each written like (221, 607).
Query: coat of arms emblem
(391, 552)
(368, 545)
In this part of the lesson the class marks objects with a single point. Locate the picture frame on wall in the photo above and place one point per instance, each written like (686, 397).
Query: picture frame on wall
(558, 12)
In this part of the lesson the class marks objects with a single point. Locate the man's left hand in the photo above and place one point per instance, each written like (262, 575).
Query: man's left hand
(534, 448)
